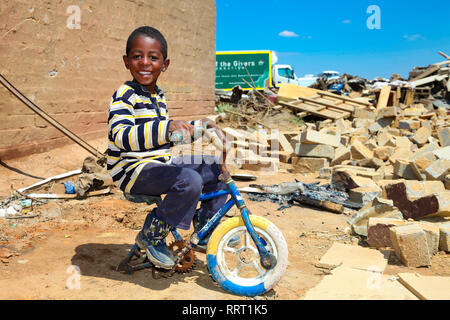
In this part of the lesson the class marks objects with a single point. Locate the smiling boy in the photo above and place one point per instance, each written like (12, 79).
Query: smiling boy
(139, 159)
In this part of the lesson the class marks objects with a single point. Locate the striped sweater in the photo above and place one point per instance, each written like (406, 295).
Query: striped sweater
(138, 132)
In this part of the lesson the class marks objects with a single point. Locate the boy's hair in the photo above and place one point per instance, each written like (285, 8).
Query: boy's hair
(149, 32)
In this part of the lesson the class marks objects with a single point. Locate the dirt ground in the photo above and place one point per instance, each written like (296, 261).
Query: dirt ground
(94, 234)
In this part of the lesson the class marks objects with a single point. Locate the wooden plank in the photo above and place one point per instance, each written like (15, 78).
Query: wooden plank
(428, 80)
(409, 99)
(321, 102)
(426, 73)
(384, 97)
(312, 110)
(343, 98)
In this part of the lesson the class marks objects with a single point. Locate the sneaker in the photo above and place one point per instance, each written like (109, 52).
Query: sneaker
(152, 239)
(157, 252)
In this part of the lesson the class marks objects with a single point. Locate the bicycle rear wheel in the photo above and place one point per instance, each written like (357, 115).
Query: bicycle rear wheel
(238, 269)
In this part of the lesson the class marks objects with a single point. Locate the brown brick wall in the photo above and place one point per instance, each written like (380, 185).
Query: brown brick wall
(35, 43)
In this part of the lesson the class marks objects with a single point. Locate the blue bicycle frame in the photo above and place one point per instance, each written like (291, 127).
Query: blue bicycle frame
(236, 199)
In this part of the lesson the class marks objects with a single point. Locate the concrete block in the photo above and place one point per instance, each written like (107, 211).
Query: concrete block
(378, 234)
(315, 137)
(341, 154)
(363, 195)
(444, 136)
(388, 112)
(404, 169)
(410, 244)
(426, 287)
(418, 189)
(421, 136)
(282, 142)
(443, 153)
(364, 113)
(403, 142)
(409, 124)
(346, 283)
(314, 150)
(384, 152)
(438, 169)
(432, 234)
(308, 165)
(444, 237)
(359, 151)
(403, 154)
(351, 256)
(350, 179)
(374, 127)
(379, 208)
(370, 163)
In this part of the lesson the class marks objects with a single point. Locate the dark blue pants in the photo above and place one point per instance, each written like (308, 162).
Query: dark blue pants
(182, 182)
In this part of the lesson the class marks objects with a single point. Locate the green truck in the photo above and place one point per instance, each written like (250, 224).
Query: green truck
(251, 69)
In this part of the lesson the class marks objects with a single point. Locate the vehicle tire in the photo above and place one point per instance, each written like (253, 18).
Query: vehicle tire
(238, 269)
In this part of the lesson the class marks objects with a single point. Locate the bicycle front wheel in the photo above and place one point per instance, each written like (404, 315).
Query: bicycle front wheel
(233, 259)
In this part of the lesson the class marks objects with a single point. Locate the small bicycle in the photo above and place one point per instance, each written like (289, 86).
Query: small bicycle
(251, 268)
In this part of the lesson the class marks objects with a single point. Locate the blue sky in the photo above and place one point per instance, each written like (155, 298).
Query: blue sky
(334, 35)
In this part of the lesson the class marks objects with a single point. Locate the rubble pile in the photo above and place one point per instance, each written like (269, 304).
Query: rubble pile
(388, 149)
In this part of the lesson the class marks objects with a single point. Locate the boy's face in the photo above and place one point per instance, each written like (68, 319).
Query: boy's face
(145, 61)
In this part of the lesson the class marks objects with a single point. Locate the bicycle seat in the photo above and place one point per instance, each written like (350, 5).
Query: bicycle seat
(142, 198)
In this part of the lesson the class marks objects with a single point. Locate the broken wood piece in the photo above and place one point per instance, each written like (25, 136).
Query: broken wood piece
(328, 205)
(429, 71)
(384, 97)
(57, 177)
(444, 55)
(428, 80)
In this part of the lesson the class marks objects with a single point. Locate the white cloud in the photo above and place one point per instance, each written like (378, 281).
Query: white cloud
(347, 21)
(288, 34)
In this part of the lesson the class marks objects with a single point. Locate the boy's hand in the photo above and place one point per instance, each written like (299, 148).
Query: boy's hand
(184, 127)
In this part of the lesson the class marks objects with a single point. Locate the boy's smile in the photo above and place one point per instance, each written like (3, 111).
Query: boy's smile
(145, 61)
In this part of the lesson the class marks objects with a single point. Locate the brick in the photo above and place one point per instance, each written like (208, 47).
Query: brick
(315, 137)
(444, 237)
(410, 244)
(378, 234)
(414, 209)
(308, 165)
(314, 150)
(359, 151)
